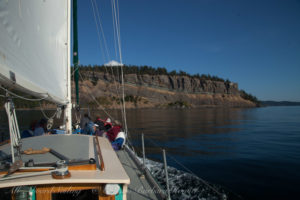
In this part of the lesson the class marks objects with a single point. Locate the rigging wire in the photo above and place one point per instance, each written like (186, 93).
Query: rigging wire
(99, 28)
(96, 13)
(93, 97)
(44, 114)
(116, 54)
(118, 14)
(98, 33)
(102, 30)
(117, 23)
(114, 29)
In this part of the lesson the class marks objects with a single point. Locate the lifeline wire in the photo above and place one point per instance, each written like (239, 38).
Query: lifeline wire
(188, 170)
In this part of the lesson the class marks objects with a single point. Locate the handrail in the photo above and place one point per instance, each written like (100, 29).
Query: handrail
(148, 175)
(101, 161)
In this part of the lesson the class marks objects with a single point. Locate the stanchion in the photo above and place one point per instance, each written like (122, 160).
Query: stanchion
(143, 146)
(166, 172)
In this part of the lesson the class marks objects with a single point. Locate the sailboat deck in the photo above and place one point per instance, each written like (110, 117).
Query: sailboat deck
(75, 147)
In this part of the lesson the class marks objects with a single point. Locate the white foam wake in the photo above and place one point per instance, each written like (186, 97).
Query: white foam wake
(183, 185)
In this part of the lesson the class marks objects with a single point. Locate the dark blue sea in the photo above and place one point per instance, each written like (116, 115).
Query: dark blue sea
(253, 153)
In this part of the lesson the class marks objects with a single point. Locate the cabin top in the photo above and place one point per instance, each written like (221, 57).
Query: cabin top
(74, 148)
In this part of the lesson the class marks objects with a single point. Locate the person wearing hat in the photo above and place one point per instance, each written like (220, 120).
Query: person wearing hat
(108, 124)
(95, 127)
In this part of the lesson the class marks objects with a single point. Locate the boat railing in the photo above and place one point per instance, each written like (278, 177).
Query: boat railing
(158, 189)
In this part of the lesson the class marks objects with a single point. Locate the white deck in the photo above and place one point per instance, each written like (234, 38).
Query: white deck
(73, 147)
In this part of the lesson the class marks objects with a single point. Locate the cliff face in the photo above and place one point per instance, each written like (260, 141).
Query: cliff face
(159, 90)
(183, 84)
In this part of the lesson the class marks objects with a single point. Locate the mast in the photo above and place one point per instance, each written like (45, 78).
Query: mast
(75, 50)
(68, 110)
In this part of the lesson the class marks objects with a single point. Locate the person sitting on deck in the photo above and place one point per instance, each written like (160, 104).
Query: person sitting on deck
(107, 124)
(90, 128)
(30, 131)
(117, 144)
(100, 123)
(116, 136)
(101, 129)
(84, 124)
(41, 128)
(113, 132)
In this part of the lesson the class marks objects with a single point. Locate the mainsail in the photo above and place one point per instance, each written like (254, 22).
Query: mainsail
(34, 49)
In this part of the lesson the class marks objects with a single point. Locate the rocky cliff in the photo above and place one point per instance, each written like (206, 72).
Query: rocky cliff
(160, 91)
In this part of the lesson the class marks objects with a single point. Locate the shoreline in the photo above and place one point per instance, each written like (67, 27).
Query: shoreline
(137, 108)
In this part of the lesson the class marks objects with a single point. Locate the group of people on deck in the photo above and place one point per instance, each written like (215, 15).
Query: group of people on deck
(104, 128)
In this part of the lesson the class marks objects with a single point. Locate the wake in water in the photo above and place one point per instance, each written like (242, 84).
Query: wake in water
(184, 185)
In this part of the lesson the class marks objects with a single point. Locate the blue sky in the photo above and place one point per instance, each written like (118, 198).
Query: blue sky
(254, 43)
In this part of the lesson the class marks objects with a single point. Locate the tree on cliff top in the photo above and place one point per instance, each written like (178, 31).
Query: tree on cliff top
(250, 97)
(141, 70)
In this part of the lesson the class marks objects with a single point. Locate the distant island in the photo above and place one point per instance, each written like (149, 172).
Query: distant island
(279, 103)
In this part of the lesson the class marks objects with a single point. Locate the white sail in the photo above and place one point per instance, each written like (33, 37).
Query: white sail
(34, 47)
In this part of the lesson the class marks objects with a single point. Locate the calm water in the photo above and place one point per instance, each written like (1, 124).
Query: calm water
(252, 152)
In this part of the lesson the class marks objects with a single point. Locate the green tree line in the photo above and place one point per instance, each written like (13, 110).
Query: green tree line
(141, 70)
(250, 97)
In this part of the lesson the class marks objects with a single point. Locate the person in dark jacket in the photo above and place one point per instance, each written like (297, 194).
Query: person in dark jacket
(85, 124)
(100, 124)
(107, 124)
(41, 128)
